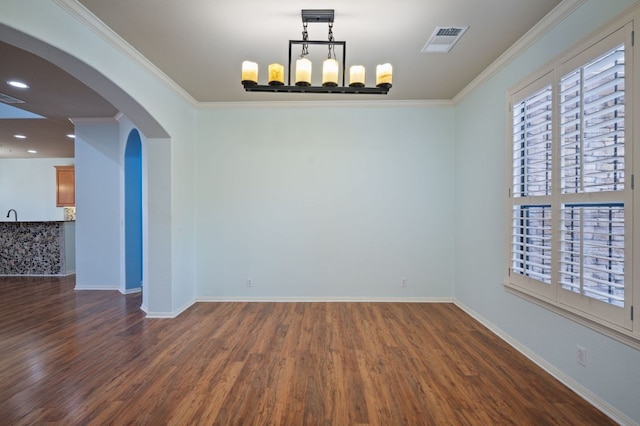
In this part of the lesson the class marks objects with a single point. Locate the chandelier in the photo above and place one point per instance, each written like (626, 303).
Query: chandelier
(330, 68)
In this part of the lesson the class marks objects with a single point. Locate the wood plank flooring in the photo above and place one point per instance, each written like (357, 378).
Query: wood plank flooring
(91, 357)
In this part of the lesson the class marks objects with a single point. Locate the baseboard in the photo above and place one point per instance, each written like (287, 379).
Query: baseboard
(327, 299)
(82, 288)
(37, 275)
(602, 405)
(159, 314)
(131, 290)
(166, 315)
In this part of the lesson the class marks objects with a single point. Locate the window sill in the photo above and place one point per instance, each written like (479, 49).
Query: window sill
(621, 336)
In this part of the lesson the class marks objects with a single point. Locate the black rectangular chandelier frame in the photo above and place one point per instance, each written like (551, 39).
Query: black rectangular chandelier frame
(322, 42)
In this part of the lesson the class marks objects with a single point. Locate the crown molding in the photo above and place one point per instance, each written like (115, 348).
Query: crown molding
(443, 103)
(93, 120)
(88, 19)
(553, 18)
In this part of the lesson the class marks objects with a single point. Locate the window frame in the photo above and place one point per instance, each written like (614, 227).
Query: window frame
(611, 320)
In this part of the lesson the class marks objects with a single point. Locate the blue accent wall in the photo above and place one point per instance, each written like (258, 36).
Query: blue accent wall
(133, 210)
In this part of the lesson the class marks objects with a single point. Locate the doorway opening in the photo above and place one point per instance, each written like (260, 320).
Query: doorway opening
(133, 212)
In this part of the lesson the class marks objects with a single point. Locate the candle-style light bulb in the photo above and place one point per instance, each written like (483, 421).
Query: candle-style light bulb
(330, 73)
(276, 75)
(384, 74)
(303, 72)
(249, 73)
(356, 76)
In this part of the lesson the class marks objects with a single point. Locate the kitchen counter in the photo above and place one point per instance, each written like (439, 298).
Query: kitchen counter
(37, 248)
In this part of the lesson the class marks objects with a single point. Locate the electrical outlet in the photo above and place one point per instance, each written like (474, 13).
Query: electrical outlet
(249, 282)
(404, 282)
(581, 354)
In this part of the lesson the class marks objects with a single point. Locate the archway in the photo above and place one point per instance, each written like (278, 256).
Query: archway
(157, 297)
(133, 212)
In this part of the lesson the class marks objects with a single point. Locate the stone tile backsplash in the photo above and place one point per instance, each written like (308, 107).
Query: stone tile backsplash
(69, 213)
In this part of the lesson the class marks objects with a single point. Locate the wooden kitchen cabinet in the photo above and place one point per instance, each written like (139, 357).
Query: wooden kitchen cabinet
(65, 186)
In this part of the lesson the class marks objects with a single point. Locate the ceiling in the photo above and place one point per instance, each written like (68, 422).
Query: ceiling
(200, 45)
(54, 95)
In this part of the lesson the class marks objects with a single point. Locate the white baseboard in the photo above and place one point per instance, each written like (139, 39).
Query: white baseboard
(166, 315)
(602, 405)
(82, 288)
(326, 299)
(38, 275)
(151, 314)
(131, 290)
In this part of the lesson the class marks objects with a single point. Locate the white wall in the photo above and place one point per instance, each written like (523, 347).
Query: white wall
(29, 186)
(612, 374)
(98, 201)
(328, 202)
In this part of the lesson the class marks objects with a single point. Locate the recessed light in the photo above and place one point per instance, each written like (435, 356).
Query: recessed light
(32, 151)
(71, 136)
(19, 136)
(18, 84)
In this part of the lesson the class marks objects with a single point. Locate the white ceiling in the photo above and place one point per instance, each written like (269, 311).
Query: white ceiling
(200, 45)
(53, 94)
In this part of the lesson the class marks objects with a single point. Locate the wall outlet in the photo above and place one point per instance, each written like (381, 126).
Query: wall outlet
(249, 282)
(404, 282)
(581, 356)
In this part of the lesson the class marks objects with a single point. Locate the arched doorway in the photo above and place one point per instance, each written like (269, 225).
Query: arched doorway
(157, 297)
(133, 212)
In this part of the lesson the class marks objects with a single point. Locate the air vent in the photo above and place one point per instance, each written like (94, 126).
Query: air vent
(10, 99)
(443, 39)
(449, 32)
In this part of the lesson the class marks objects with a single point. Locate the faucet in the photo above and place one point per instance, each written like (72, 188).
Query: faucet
(15, 213)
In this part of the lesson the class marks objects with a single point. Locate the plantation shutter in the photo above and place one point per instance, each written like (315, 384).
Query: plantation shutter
(593, 192)
(531, 231)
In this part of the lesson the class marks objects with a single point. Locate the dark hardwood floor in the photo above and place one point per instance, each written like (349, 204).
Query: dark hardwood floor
(91, 357)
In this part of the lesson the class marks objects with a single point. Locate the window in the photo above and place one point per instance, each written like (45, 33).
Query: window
(571, 197)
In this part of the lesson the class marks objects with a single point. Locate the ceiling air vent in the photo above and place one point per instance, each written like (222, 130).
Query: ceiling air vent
(9, 99)
(443, 39)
